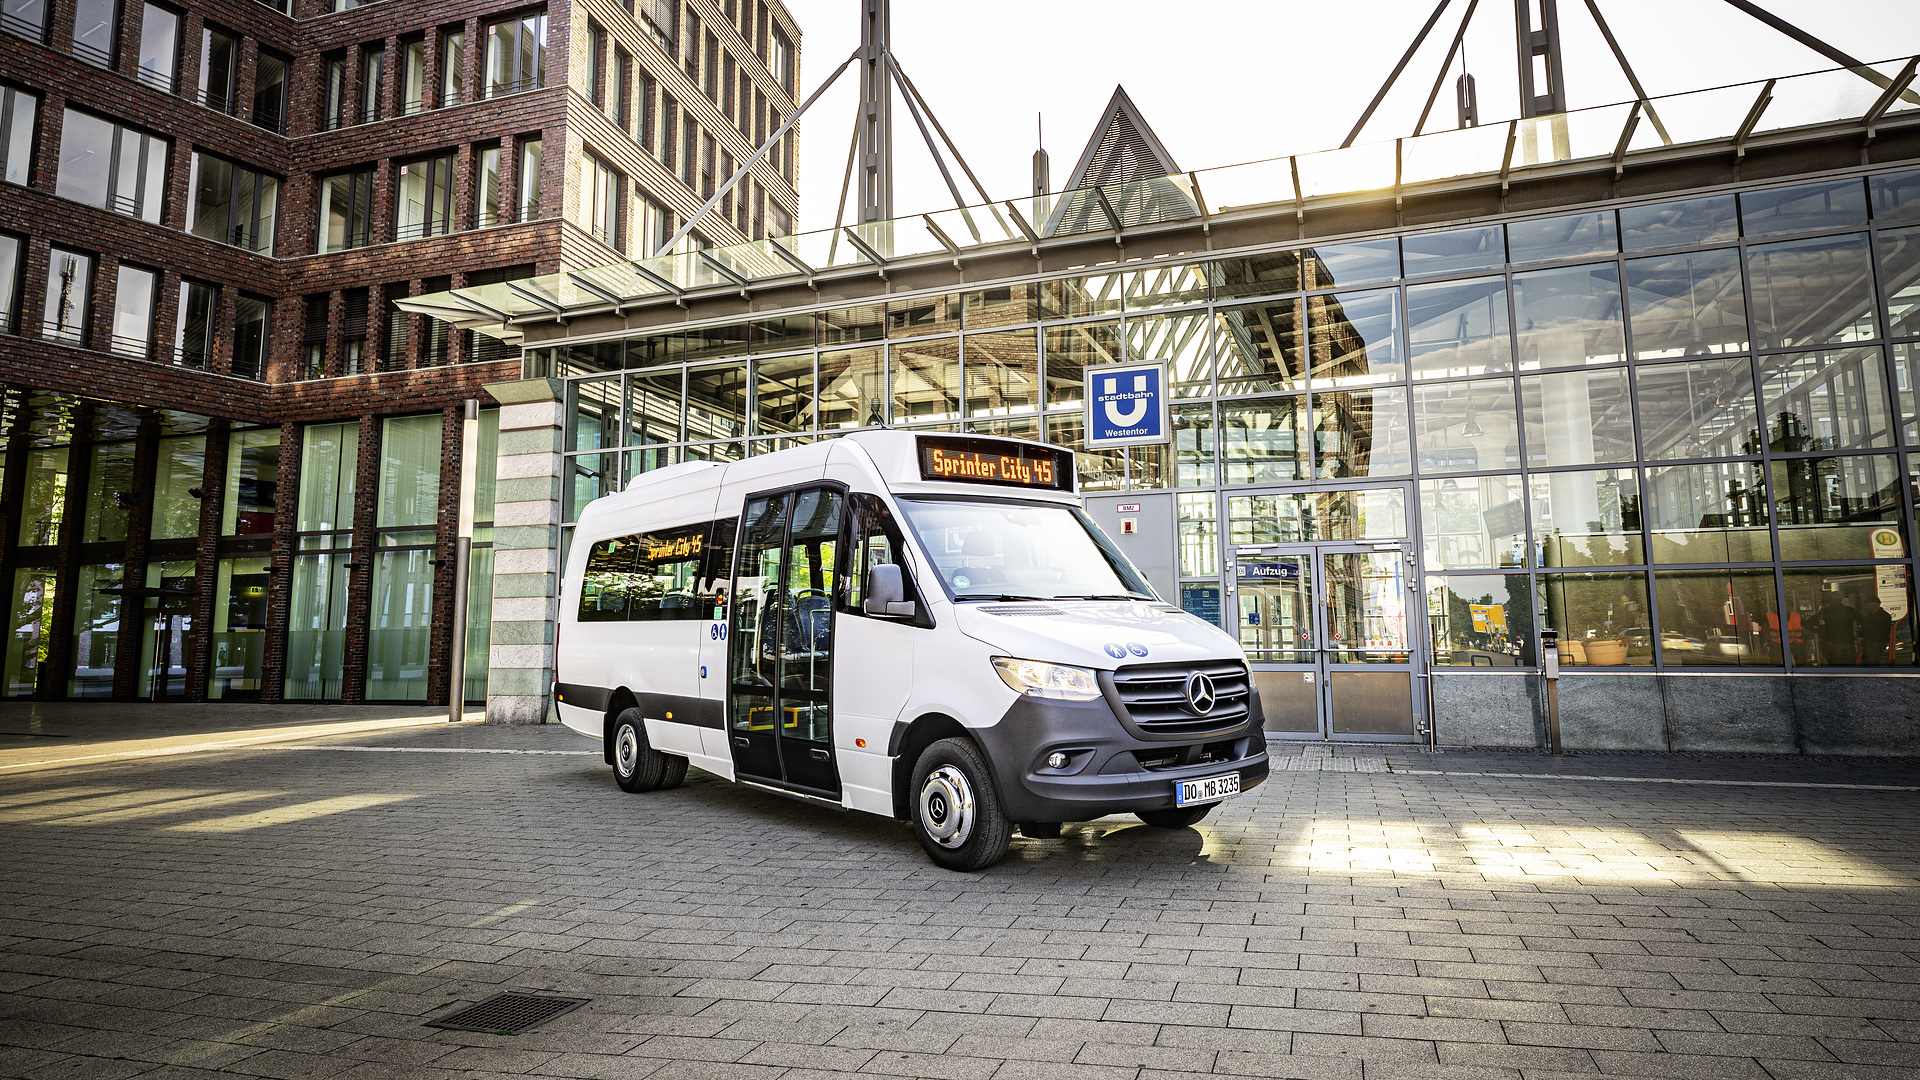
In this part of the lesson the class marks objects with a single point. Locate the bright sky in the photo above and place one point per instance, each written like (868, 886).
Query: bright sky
(1226, 81)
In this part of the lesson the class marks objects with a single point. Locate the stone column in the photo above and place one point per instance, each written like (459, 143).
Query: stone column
(526, 550)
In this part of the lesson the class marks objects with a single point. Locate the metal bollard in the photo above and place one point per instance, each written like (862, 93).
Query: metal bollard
(1550, 667)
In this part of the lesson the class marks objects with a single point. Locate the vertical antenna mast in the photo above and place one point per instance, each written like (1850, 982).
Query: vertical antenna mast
(876, 116)
(1542, 89)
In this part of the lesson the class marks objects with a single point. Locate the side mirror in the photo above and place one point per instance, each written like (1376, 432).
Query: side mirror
(886, 592)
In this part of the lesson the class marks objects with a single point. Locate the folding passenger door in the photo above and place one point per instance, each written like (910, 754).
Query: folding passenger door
(780, 716)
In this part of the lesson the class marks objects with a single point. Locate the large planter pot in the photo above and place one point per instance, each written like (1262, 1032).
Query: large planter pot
(1606, 653)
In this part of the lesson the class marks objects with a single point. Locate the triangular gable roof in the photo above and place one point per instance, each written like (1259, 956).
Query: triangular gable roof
(1123, 148)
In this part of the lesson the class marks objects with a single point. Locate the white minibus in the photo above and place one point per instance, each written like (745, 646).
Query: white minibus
(925, 626)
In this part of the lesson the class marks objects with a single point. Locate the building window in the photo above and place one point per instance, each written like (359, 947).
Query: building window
(219, 67)
(711, 69)
(706, 166)
(782, 220)
(660, 18)
(314, 361)
(346, 210)
(232, 203)
(669, 132)
(284, 7)
(453, 62)
(317, 622)
(159, 48)
(25, 18)
(252, 317)
(689, 149)
(113, 167)
(10, 247)
(270, 91)
(652, 229)
(353, 329)
(529, 202)
(516, 54)
(622, 95)
(406, 513)
(333, 110)
(69, 287)
(602, 193)
(95, 25)
(425, 202)
(591, 71)
(728, 81)
(193, 333)
(413, 76)
(648, 135)
(133, 295)
(17, 111)
(373, 67)
(489, 210)
(780, 59)
(693, 48)
(393, 348)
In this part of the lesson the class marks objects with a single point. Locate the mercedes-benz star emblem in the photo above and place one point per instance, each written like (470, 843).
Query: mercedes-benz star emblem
(1200, 693)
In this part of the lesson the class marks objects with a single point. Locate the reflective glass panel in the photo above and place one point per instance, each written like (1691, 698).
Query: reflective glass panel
(781, 333)
(853, 388)
(400, 624)
(923, 315)
(1072, 298)
(1476, 522)
(717, 401)
(96, 631)
(851, 325)
(1270, 519)
(1700, 408)
(1568, 317)
(1577, 417)
(1586, 518)
(253, 481)
(1007, 305)
(1838, 508)
(1073, 349)
(1355, 338)
(1260, 347)
(329, 456)
(1900, 279)
(1896, 196)
(1466, 426)
(1199, 538)
(1193, 447)
(240, 628)
(1167, 286)
(1686, 305)
(1570, 237)
(926, 380)
(29, 629)
(1906, 355)
(653, 408)
(1363, 262)
(1687, 223)
(409, 471)
(1850, 616)
(1181, 341)
(595, 415)
(1709, 513)
(1264, 440)
(1832, 204)
(783, 398)
(1276, 608)
(1481, 621)
(1362, 433)
(1257, 275)
(1366, 606)
(1100, 470)
(1366, 514)
(1602, 619)
(1459, 251)
(1812, 292)
(1832, 400)
(110, 494)
(1717, 618)
(180, 469)
(45, 492)
(1458, 328)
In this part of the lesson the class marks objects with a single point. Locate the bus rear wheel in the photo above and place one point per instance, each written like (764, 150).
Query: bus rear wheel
(956, 808)
(637, 766)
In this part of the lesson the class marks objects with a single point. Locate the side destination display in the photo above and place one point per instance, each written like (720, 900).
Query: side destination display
(993, 461)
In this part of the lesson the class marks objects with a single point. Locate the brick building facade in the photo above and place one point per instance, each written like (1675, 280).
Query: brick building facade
(316, 160)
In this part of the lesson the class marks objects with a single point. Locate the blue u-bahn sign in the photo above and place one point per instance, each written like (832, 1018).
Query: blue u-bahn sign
(1127, 405)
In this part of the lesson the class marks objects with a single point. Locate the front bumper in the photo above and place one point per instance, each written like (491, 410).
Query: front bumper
(1109, 770)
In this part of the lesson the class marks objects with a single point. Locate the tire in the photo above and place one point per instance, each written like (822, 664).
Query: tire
(956, 808)
(675, 773)
(1177, 818)
(637, 766)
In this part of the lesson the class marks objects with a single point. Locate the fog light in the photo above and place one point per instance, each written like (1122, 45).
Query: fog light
(1056, 760)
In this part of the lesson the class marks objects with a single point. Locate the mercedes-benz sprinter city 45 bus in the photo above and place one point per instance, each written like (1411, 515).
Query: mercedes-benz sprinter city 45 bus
(924, 626)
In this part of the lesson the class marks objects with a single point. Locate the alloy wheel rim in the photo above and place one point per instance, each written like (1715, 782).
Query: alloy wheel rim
(946, 807)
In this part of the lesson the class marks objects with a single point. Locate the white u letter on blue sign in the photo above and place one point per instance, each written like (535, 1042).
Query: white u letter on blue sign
(1138, 406)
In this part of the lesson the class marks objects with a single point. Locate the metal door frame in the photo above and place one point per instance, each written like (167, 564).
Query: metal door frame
(1313, 552)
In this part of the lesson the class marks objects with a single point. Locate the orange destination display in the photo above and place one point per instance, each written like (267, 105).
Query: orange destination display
(995, 461)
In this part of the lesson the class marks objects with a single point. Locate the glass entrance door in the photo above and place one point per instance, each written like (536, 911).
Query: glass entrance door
(1319, 585)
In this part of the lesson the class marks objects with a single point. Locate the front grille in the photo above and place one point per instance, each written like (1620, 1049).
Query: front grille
(1155, 696)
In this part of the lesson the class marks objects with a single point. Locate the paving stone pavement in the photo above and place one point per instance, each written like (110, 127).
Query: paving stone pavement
(232, 906)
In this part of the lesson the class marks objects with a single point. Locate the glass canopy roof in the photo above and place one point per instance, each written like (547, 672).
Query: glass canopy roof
(1729, 116)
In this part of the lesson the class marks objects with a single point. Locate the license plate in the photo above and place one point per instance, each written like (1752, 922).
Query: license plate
(1211, 789)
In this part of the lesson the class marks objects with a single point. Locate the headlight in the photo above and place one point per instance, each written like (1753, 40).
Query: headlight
(1036, 679)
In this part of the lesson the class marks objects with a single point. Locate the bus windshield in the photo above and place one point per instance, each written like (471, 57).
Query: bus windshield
(990, 550)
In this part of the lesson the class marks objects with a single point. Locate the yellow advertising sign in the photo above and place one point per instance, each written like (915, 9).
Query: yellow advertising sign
(1488, 617)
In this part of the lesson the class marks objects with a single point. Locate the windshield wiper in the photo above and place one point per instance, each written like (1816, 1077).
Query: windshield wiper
(1103, 596)
(998, 596)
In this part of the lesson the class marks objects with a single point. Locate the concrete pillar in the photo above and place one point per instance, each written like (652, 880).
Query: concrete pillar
(526, 550)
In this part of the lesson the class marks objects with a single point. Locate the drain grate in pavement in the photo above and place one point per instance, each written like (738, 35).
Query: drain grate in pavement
(509, 1013)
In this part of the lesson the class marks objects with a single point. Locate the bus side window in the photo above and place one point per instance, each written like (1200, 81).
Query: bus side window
(716, 568)
(873, 539)
(608, 580)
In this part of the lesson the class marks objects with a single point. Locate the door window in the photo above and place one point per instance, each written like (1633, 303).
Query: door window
(873, 539)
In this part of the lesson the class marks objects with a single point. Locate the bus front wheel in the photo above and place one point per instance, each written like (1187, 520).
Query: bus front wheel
(636, 765)
(956, 808)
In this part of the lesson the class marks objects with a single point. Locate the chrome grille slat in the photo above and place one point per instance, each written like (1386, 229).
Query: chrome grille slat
(1155, 698)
